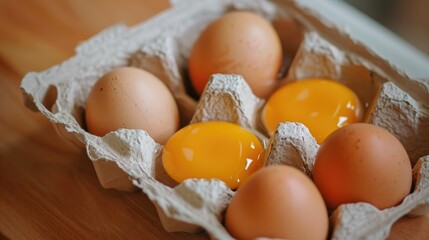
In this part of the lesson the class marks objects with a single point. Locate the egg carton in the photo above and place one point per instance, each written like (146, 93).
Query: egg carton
(130, 159)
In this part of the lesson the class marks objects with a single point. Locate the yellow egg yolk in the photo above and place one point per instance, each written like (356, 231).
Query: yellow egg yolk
(321, 105)
(207, 150)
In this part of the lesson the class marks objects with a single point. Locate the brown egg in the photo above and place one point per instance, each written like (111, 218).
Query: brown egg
(241, 43)
(277, 202)
(131, 98)
(362, 163)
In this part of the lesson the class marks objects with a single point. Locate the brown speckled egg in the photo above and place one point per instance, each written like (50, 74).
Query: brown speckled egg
(362, 162)
(131, 98)
(241, 43)
(277, 202)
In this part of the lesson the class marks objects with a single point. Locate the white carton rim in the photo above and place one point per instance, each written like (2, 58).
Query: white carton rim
(378, 39)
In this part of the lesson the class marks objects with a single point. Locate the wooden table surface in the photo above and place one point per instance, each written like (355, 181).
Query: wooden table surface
(48, 188)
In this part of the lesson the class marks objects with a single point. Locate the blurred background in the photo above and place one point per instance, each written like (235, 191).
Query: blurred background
(407, 18)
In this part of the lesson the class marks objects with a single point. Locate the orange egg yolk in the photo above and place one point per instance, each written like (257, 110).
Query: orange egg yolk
(207, 150)
(321, 105)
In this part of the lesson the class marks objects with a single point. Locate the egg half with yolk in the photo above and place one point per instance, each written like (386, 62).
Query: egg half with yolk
(215, 149)
(322, 105)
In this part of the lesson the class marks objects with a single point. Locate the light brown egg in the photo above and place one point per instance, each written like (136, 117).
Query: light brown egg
(362, 162)
(241, 43)
(277, 202)
(131, 98)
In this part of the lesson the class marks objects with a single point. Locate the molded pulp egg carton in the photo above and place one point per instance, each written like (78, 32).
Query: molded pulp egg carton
(391, 78)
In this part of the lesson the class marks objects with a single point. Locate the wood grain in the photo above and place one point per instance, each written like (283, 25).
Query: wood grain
(48, 188)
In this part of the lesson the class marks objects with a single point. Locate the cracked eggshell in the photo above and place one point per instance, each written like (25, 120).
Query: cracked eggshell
(162, 46)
